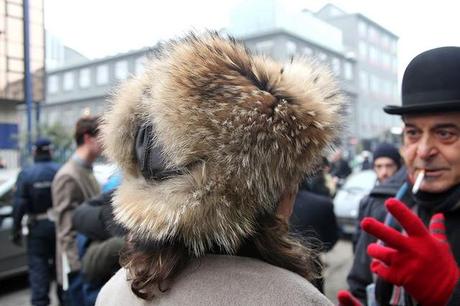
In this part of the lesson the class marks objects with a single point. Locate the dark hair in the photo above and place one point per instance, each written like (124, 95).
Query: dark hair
(88, 125)
(152, 268)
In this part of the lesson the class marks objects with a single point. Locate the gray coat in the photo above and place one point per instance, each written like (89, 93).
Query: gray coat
(221, 280)
(72, 185)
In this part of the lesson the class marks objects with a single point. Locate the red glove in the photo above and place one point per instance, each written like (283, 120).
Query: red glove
(420, 262)
(347, 299)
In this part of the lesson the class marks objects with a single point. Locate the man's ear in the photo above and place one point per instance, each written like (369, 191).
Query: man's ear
(86, 138)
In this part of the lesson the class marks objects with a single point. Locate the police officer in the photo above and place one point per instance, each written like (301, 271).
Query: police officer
(33, 198)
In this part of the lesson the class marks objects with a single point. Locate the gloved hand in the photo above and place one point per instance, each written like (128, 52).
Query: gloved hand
(420, 262)
(345, 298)
(16, 238)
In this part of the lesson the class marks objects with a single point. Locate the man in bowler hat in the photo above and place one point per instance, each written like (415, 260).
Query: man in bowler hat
(414, 261)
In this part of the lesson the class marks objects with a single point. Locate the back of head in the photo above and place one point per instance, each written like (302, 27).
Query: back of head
(87, 125)
(210, 136)
(430, 83)
(42, 148)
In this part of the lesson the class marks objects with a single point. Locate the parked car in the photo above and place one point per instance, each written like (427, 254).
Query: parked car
(13, 258)
(346, 201)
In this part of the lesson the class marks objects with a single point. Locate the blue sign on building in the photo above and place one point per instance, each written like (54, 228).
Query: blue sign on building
(8, 136)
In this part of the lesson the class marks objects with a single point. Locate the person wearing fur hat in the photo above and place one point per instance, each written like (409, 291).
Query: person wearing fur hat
(213, 142)
(415, 261)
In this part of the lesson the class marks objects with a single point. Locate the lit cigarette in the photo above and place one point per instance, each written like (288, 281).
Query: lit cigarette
(418, 181)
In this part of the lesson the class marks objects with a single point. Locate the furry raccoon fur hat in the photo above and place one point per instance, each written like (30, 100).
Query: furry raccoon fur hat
(244, 127)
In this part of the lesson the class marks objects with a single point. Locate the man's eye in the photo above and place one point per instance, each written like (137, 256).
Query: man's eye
(411, 133)
(445, 135)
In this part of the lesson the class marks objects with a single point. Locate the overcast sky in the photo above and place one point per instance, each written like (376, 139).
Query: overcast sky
(98, 28)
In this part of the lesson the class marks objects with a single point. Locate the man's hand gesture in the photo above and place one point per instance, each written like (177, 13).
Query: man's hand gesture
(420, 261)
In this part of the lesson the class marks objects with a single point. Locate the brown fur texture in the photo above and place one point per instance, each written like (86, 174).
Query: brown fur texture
(252, 128)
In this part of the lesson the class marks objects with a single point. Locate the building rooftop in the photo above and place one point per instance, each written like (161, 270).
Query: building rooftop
(261, 16)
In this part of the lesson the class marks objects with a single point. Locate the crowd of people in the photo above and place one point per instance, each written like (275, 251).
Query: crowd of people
(225, 187)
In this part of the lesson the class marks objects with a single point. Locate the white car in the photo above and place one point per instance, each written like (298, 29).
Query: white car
(13, 258)
(346, 201)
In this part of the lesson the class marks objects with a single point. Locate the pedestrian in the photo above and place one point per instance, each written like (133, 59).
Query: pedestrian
(366, 163)
(340, 169)
(420, 265)
(99, 240)
(386, 162)
(33, 198)
(313, 218)
(73, 184)
(320, 183)
(213, 142)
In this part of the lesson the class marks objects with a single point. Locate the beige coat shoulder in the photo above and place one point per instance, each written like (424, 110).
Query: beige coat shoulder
(222, 280)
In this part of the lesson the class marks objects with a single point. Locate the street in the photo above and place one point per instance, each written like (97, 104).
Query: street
(14, 292)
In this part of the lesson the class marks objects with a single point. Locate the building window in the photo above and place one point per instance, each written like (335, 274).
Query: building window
(53, 84)
(373, 34)
(68, 81)
(291, 48)
(374, 84)
(373, 54)
(393, 46)
(362, 28)
(363, 49)
(348, 71)
(364, 80)
(386, 60)
(121, 70)
(264, 47)
(102, 75)
(395, 91)
(307, 51)
(335, 63)
(394, 64)
(322, 56)
(85, 78)
(139, 65)
(385, 41)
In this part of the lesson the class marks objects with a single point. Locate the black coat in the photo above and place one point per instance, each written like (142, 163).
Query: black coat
(360, 275)
(313, 217)
(340, 169)
(94, 219)
(33, 190)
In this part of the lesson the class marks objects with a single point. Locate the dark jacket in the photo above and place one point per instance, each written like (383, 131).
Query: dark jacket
(360, 275)
(33, 190)
(313, 217)
(372, 204)
(340, 169)
(94, 220)
(316, 184)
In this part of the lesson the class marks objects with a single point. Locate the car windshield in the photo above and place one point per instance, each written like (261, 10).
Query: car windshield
(363, 180)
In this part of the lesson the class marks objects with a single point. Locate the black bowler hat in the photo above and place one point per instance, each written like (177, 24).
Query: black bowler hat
(431, 83)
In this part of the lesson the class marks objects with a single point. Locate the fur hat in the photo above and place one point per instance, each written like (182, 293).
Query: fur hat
(243, 127)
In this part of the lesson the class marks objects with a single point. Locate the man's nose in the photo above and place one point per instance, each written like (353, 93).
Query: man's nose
(426, 148)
